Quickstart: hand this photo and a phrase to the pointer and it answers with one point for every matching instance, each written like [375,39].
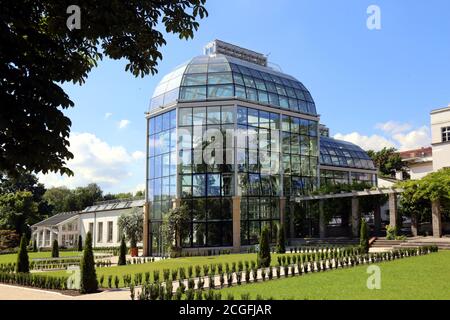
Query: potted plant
[132,225]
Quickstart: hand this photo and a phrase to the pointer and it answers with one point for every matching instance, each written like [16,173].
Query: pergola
[393,210]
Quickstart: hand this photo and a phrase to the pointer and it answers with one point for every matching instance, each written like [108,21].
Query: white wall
[441,150]
[105,217]
[420,170]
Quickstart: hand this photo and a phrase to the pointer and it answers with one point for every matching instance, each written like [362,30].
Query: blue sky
[372,87]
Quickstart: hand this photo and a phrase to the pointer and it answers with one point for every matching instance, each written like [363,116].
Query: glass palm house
[271,149]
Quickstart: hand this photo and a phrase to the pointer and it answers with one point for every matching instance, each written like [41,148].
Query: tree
[364,236]
[387,160]
[80,243]
[177,224]
[26,182]
[281,241]
[132,225]
[264,248]
[59,199]
[123,253]
[39,53]
[418,195]
[18,211]
[89,282]
[35,249]
[55,249]
[23,263]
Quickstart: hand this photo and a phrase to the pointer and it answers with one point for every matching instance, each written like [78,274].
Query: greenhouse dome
[219,77]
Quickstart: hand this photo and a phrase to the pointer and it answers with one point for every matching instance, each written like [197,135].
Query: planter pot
[134,252]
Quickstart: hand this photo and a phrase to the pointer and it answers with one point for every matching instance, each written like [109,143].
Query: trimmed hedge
[34,280]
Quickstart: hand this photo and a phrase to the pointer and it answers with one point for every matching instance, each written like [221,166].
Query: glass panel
[251,94]
[193,93]
[240,92]
[213,115]
[185,116]
[213,185]
[197,68]
[194,79]
[220,91]
[220,78]
[219,67]
[199,116]
[227,115]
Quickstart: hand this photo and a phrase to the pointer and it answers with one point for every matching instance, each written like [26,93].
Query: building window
[445,134]
[91,228]
[100,232]
[110,231]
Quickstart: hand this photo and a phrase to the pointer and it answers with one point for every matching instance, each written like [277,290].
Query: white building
[101,220]
[63,227]
[440,138]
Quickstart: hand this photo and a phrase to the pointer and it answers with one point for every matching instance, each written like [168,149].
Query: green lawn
[170,264]
[424,277]
[7,258]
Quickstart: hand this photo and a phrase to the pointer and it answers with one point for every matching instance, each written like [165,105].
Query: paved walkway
[8,292]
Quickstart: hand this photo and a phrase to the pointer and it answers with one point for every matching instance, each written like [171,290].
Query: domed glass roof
[338,153]
[219,77]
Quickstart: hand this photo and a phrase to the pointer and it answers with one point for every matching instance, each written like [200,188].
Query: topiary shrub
[55,249]
[281,241]
[23,263]
[89,282]
[122,253]
[80,243]
[364,237]
[263,257]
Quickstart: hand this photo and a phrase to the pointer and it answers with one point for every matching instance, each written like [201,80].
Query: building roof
[114,205]
[417,154]
[57,219]
[219,77]
[338,153]
[444,109]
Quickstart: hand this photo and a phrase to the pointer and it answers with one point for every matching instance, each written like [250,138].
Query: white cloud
[123,123]
[373,142]
[108,115]
[413,139]
[95,161]
[401,136]
[137,155]
[393,127]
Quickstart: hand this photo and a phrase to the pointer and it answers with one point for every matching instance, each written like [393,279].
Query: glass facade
[222,77]
[162,170]
[207,183]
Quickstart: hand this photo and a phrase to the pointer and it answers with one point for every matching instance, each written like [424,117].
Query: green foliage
[88,274]
[122,253]
[132,225]
[263,257]
[23,263]
[364,236]
[17,210]
[55,249]
[40,53]
[63,199]
[281,240]
[418,194]
[391,232]
[387,160]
